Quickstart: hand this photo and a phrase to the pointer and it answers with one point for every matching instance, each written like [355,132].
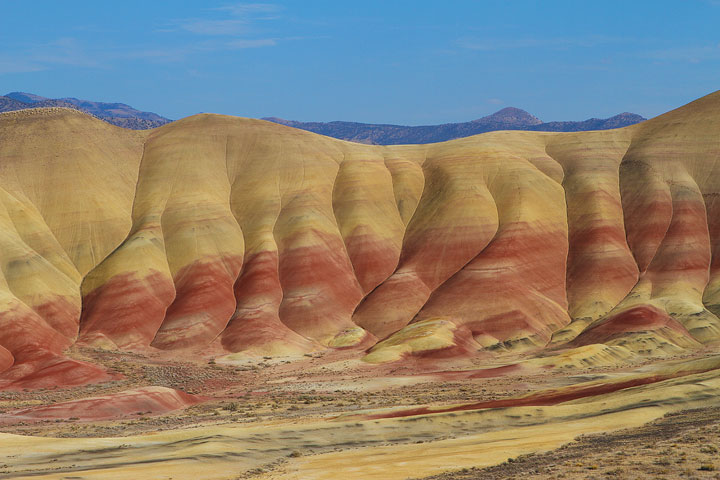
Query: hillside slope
[218,235]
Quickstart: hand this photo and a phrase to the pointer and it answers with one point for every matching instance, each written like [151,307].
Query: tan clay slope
[67,184]
[310,234]
[224,234]
[668,182]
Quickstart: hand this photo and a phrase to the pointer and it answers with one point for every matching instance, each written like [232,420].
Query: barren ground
[308,416]
[682,444]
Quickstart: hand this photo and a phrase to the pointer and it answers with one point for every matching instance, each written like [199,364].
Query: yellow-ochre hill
[220,235]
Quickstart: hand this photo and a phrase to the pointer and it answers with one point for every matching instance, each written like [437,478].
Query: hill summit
[512,117]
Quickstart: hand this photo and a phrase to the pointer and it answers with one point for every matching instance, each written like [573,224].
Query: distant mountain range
[116,113]
[506,119]
[509,118]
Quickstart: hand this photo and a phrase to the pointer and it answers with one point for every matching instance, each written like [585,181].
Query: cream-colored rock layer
[424,336]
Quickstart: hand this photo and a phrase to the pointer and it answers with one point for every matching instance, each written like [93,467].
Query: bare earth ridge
[224,298]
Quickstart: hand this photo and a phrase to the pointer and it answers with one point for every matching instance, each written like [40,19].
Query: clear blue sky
[407,62]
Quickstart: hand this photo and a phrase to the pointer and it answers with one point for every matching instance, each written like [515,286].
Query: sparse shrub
[708,449]
[231,407]
[707,467]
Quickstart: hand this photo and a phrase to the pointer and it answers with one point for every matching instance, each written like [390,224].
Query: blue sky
[407,62]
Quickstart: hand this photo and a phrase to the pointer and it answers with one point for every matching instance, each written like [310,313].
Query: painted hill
[115,113]
[506,119]
[219,235]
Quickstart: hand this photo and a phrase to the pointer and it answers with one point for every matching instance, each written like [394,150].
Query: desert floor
[331,416]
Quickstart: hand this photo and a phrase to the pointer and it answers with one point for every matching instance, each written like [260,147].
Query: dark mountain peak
[629,116]
[26,97]
[623,119]
[618,121]
[512,116]
[119,114]
[8,104]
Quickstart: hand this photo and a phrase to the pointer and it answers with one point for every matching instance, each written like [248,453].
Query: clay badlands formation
[582,269]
